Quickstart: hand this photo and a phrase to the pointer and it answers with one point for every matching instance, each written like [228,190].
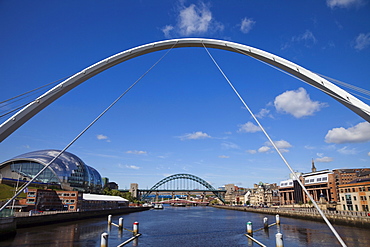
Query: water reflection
[190,226]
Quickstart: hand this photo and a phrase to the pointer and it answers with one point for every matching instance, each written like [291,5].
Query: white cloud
[247,25]
[297,103]
[249,127]
[345,150]
[102,137]
[307,37]
[166,30]
[368,154]
[280,144]
[136,152]
[324,159]
[263,149]
[193,20]
[224,157]
[355,134]
[309,147]
[133,167]
[229,145]
[195,136]
[362,41]
[264,113]
[251,151]
[343,3]
[320,155]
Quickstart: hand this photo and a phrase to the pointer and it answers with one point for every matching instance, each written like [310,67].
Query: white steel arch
[22,116]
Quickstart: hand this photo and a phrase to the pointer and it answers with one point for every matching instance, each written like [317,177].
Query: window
[353,190]
[71,207]
[341,191]
[72,201]
[356,207]
[344,207]
[318,180]
[325,179]
[312,180]
[73,194]
[31,201]
[354,198]
[307,181]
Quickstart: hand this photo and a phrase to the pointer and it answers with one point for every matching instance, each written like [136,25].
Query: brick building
[354,196]
[50,200]
[42,200]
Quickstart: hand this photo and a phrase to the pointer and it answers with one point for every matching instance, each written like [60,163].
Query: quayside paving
[358,219]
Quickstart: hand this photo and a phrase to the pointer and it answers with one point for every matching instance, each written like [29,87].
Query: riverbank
[37,219]
[359,220]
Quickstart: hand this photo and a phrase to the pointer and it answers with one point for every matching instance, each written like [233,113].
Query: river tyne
[189,226]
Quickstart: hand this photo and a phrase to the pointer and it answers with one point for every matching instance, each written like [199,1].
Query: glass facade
[30,169]
[67,170]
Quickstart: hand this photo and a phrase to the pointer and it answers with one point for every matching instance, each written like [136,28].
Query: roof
[96,197]
[63,166]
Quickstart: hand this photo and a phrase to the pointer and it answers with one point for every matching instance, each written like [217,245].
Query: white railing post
[104,240]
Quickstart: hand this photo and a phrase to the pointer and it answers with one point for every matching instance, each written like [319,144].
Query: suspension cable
[347,85]
[277,150]
[84,130]
[355,88]
[11,101]
[34,90]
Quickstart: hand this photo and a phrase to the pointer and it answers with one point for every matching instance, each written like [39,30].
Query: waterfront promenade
[358,219]
[48,217]
[9,225]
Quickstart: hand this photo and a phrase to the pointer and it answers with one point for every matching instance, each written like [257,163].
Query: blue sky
[183,117]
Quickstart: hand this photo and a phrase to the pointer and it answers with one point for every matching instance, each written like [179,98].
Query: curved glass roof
[64,166]
[68,168]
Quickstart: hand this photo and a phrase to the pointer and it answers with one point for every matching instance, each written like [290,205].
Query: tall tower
[313,168]
[134,190]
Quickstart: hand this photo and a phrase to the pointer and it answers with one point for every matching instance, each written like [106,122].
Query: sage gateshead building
[67,172]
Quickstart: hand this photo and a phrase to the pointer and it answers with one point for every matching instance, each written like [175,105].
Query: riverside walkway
[358,219]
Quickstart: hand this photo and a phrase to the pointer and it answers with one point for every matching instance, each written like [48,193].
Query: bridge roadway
[174,192]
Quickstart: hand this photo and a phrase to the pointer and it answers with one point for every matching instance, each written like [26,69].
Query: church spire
[313,168]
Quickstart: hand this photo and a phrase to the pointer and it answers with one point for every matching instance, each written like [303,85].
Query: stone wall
[356,219]
[7,226]
[37,219]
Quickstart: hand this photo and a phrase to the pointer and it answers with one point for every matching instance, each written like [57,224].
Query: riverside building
[355,196]
[67,172]
[328,187]
[51,200]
